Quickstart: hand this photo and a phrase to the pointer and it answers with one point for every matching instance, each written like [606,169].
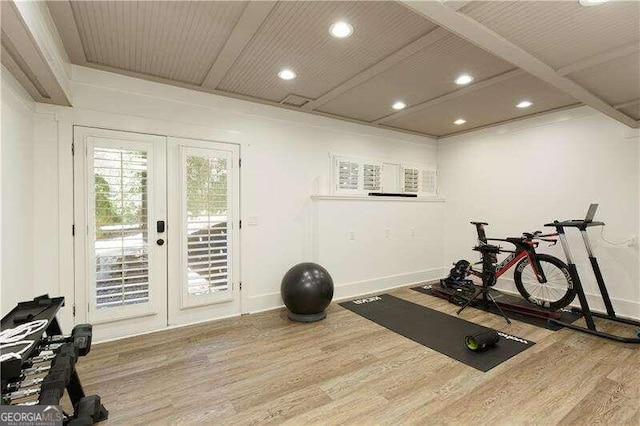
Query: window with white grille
[357,176]
[411,181]
[121,245]
[207,223]
[419,180]
[360,176]
[371,177]
[348,175]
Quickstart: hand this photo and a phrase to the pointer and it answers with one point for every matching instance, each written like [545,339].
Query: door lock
[160,242]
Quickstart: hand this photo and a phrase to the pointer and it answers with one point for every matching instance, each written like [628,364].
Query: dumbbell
[80,337]
[66,354]
[15,386]
[65,362]
[66,349]
[51,387]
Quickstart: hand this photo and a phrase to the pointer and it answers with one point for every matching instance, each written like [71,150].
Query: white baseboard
[263,302]
[359,288]
[267,302]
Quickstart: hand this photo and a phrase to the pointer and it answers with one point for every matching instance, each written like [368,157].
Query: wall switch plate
[252,220]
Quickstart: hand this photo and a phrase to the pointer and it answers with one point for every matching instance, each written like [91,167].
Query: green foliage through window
[206,186]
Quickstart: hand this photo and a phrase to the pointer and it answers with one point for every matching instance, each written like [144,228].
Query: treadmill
[582,225]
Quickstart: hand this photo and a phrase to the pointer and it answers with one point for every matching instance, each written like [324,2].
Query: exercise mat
[565,316]
[436,330]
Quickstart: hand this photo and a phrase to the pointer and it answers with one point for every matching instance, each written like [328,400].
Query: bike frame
[511,260]
[525,248]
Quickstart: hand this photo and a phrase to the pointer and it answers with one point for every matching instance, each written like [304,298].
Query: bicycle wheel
[556,293]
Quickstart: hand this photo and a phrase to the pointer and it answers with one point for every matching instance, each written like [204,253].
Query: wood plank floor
[264,369]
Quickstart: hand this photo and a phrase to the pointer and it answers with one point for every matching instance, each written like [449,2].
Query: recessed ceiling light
[287,74]
[464,79]
[524,104]
[399,105]
[591,2]
[459,121]
[341,29]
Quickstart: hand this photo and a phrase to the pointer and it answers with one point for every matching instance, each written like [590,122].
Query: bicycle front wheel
[556,293]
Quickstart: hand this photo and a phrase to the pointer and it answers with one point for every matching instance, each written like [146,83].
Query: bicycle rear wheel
[556,293]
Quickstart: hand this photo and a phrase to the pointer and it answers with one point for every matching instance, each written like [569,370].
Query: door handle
[160,226]
[160,242]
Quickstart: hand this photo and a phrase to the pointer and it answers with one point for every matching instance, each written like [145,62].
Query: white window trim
[361,161]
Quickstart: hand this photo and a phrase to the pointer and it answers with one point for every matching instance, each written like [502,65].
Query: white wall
[519,176]
[370,245]
[17,189]
[284,156]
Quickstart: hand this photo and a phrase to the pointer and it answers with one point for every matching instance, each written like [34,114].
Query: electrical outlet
[386,232]
[352,235]
[412,231]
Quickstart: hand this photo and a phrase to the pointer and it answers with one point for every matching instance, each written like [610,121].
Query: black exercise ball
[307,289]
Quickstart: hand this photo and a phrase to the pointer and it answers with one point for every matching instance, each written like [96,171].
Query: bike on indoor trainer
[541,279]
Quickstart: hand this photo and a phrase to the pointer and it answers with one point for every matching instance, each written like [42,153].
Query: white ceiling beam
[633,102]
[18,72]
[390,61]
[451,95]
[29,35]
[62,15]
[492,42]
[610,55]
[249,23]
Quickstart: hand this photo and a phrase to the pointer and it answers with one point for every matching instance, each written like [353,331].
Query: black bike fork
[537,267]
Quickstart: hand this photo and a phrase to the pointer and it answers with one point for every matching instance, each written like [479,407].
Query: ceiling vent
[295,100]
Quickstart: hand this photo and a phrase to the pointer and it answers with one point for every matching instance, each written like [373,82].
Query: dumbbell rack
[40,308]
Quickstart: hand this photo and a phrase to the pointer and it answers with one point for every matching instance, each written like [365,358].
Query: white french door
[204,230]
[141,266]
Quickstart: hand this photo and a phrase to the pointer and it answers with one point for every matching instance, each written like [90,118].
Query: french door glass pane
[207,225]
[121,246]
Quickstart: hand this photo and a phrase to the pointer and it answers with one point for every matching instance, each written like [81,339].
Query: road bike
[542,279]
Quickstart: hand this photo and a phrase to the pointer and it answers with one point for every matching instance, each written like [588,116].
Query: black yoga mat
[565,316]
[436,330]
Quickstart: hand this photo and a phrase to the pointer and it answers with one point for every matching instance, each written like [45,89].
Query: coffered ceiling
[554,54]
